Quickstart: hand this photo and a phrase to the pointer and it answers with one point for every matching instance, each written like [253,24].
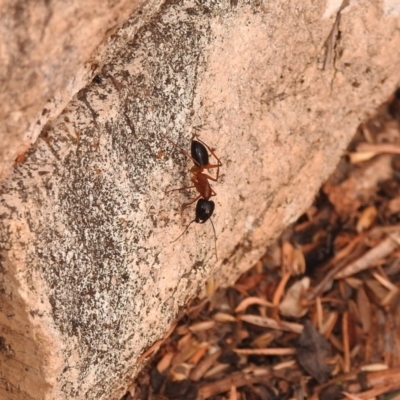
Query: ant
[204,207]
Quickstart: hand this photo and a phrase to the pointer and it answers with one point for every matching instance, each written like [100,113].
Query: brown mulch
[318,316]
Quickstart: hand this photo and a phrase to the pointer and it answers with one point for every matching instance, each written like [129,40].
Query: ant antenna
[190,223]
[215,240]
[215,236]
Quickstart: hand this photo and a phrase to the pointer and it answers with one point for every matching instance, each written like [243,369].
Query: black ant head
[204,210]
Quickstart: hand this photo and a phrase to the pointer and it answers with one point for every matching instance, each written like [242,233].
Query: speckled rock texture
[47,53]
[90,273]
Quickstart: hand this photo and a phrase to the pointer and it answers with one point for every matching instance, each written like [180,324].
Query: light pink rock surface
[90,278]
[47,53]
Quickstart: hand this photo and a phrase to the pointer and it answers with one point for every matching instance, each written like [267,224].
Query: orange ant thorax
[202,185]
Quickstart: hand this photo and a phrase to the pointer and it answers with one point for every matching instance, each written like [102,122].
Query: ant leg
[210,177]
[183,151]
[186,229]
[199,170]
[210,166]
[185,205]
[180,189]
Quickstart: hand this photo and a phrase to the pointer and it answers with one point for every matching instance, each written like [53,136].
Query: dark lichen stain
[198,264]
[35,313]
[97,80]
[6,348]
[3,347]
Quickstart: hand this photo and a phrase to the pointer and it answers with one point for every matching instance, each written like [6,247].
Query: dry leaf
[210,287]
[374,367]
[298,262]
[312,350]
[364,308]
[358,157]
[366,218]
[180,372]
[205,364]
[165,362]
[249,301]
[263,340]
[287,256]
[293,304]
[202,326]
[284,365]
[216,370]
[223,317]
[267,352]
[328,325]
[271,323]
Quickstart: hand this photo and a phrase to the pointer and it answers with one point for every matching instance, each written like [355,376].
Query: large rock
[47,53]
[90,278]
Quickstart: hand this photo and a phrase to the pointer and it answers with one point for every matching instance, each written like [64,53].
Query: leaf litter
[318,316]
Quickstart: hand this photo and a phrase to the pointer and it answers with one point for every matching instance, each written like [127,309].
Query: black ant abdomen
[204,210]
